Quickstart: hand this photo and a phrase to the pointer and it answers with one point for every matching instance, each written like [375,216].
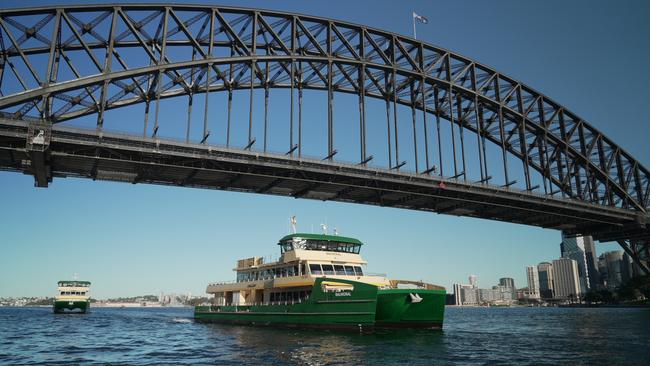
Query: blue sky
[590,56]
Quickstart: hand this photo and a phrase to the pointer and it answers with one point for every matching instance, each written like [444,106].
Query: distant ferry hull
[410,308]
[65,306]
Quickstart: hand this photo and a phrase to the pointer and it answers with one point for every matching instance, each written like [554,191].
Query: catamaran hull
[410,308]
[365,307]
[71,307]
[334,320]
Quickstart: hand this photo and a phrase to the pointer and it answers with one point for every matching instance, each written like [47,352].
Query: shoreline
[112,306]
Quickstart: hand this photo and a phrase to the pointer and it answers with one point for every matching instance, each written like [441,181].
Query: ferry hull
[64,306]
[342,309]
[365,307]
[410,308]
[271,315]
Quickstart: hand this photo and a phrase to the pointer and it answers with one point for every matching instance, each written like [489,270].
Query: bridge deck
[106,156]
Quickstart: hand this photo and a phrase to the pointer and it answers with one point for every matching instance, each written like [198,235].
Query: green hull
[346,309]
[63,306]
[364,307]
[402,308]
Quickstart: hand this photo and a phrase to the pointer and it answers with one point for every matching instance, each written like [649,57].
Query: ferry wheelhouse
[319,280]
[73,296]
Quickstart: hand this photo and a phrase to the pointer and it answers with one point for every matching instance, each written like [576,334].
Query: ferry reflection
[320,346]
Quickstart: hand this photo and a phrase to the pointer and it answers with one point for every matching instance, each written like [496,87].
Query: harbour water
[157,336]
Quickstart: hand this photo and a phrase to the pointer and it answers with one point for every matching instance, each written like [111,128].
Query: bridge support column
[37,149]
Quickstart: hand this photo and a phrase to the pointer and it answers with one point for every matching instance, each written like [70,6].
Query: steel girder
[59,63]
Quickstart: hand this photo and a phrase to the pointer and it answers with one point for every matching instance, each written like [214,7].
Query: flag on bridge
[420,18]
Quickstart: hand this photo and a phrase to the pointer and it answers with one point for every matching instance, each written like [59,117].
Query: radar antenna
[324,227]
[293,224]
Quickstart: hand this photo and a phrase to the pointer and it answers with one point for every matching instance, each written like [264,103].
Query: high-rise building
[583,251]
[545,272]
[533,282]
[507,282]
[566,279]
[617,268]
[509,286]
[592,263]
[627,269]
[473,281]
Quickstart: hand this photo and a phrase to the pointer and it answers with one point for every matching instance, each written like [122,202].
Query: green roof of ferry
[336,238]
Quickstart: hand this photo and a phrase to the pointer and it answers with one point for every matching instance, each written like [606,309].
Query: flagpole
[415,35]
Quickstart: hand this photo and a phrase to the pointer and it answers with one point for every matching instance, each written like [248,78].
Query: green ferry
[74,297]
[319,281]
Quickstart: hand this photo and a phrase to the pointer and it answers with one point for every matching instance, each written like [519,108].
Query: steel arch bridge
[478,143]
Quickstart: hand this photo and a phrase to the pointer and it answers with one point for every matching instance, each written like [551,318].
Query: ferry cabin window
[328,269]
[339,270]
[315,269]
[349,270]
[332,246]
[286,247]
[358,271]
[289,296]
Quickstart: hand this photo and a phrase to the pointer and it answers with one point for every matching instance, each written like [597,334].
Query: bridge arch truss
[62,63]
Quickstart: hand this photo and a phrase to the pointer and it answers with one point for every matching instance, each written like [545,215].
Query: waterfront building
[533,282]
[545,275]
[465,294]
[509,286]
[504,293]
[458,300]
[583,251]
[616,268]
[489,295]
[566,279]
[523,293]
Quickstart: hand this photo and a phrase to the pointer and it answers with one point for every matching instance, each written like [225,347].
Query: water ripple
[525,336]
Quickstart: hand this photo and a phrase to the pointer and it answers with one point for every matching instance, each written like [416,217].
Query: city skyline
[112,233]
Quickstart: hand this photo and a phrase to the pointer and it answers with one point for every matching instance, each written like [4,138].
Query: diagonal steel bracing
[62,63]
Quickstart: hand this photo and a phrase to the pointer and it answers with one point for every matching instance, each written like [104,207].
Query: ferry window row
[324,245]
[73,293]
[289,296]
[269,273]
[329,269]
